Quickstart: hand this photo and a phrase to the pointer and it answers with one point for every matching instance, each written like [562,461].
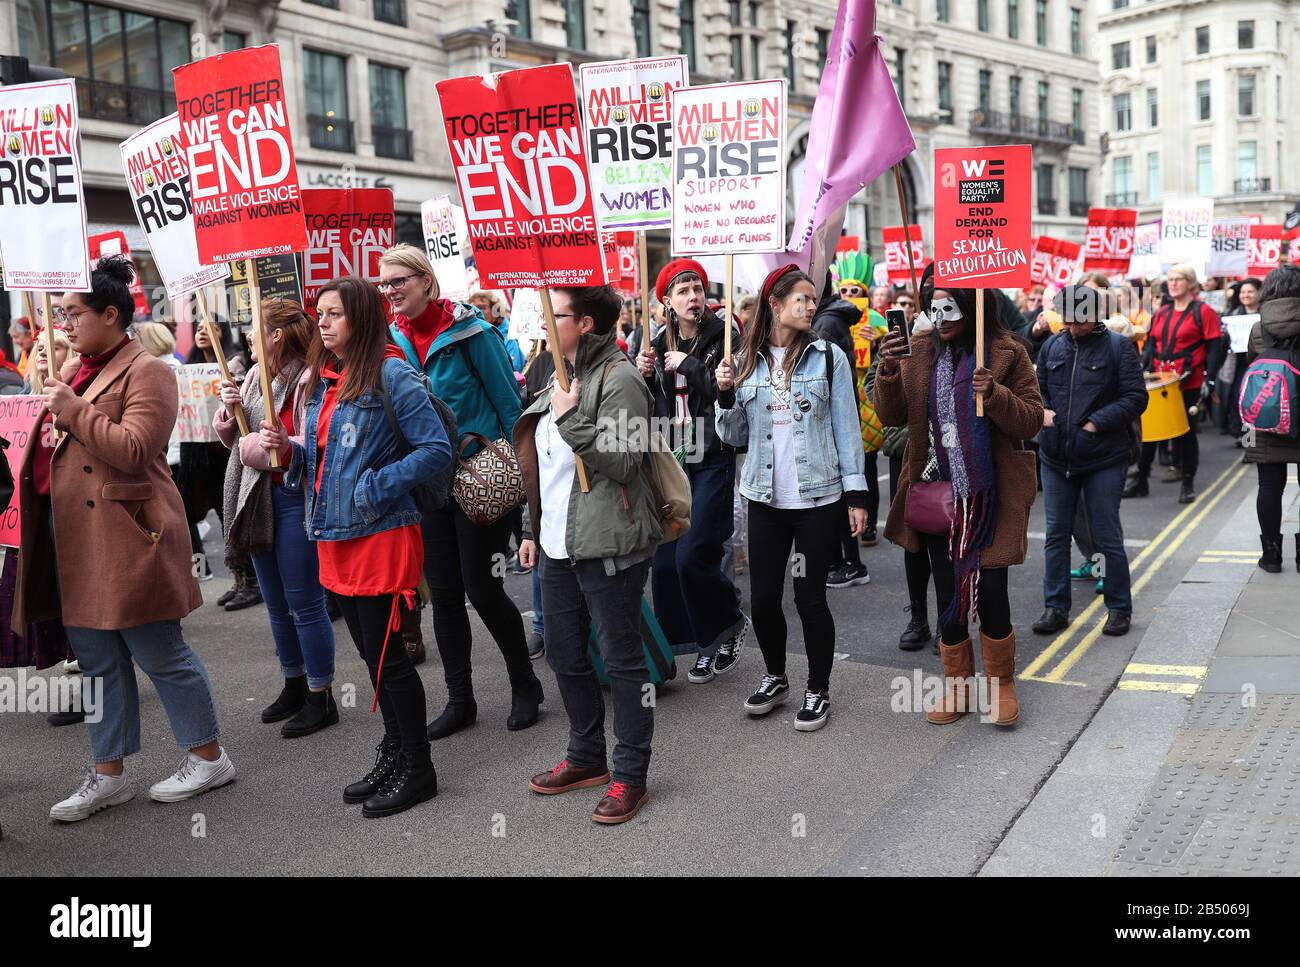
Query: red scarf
[437,317]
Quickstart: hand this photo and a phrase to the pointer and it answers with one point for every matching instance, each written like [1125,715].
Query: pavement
[877,791]
[1191,767]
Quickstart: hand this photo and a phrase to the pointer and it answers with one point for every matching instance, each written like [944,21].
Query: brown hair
[299,332]
[368,325]
[759,331]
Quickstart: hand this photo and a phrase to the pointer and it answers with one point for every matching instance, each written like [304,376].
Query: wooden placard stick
[561,374]
[255,305]
[643,268]
[979,345]
[726,324]
[907,234]
[214,337]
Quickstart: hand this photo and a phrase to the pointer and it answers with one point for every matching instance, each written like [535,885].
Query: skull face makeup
[944,310]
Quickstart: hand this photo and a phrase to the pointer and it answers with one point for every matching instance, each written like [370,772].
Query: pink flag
[858,127]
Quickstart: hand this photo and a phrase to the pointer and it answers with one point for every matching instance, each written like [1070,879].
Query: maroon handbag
[929,507]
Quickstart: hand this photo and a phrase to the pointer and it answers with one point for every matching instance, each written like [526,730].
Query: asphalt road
[876,791]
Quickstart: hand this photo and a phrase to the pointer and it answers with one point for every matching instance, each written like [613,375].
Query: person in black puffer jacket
[1092,388]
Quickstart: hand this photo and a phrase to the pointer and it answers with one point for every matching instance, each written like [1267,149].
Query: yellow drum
[1166,414]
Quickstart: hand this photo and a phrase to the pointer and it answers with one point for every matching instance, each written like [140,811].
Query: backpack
[1268,400]
[434,493]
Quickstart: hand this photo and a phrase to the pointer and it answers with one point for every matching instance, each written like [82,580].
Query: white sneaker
[72,667]
[96,792]
[194,776]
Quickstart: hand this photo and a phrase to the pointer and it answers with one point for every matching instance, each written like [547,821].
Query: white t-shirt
[785,474]
[555,469]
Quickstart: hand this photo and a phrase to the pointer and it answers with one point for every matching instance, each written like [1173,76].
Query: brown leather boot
[565,777]
[412,636]
[958,672]
[1000,667]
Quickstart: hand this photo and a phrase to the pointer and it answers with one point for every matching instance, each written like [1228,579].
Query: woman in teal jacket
[466,363]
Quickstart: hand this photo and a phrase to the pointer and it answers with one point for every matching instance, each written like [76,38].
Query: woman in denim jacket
[789,399]
[357,480]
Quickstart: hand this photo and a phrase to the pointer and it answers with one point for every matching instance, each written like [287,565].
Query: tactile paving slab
[1226,802]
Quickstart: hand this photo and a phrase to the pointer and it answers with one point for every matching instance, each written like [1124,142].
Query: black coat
[835,323]
[701,384]
[1097,379]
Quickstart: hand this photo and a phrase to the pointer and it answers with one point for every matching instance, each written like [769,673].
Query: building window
[328,124]
[1153,175]
[1078,191]
[823,45]
[1046,190]
[1123,112]
[122,60]
[1123,172]
[1277,95]
[641,26]
[941,11]
[575,24]
[391,12]
[1202,100]
[1247,161]
[1013,97]
[388,112]
[986,91]
[755,57]
[327,4]
[982,15]
[521,12]
[1076,109]
[1153,107]
[900,82]
[1151,49]
[1043,91]
[945,90]
[1246,95]
[1204,171]
[1119,56]
[1040,22]
[232,40]
[1013,19]
[753,13]
[1245,34]
[1121,4]
[1076,31]
[686,18]
[789,53]
[737,57]
[1202,40]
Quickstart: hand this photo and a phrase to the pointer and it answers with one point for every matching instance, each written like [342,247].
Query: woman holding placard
[121,562]
[465,361]
[967,481]
[789,399]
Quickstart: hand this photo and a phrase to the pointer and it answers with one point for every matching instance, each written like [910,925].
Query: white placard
[445,233]
[1186,232]
[1239,328]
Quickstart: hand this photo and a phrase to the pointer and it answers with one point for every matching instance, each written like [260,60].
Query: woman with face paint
[991,474]
[788,397]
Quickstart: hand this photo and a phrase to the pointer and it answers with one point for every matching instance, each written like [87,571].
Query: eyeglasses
[65,319]
[396,283]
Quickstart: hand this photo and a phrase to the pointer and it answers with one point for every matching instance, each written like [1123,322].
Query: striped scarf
[961,443]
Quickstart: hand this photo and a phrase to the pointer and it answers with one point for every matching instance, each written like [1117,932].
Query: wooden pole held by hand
[255,305]
[561,374]
[907,233]
[214,336]
[979,345]
[726,323]
[47,336]
[644,271]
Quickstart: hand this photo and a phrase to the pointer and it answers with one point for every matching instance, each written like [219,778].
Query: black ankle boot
[414,782]
[1297,552]
[318,712]
[917,632]
[456,716]
[291,700]
[524,706]
[1271,559]
[387,754]
[1187,492]
[1137,487]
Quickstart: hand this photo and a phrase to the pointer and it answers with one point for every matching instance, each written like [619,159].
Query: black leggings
[814,533]
[994,604]
[1187,448]
[1268,501]
[401,694]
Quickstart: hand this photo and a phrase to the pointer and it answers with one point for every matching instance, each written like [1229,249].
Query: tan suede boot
[1000,667]
[958,672]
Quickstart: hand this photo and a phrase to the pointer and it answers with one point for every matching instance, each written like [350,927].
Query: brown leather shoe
[958,673]
[621,803]
[565,777]
[1000,667]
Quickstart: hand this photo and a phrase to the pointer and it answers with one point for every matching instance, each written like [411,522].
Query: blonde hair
[410,257]
[60,340]
[156,338]
[497,300]
[1183,270]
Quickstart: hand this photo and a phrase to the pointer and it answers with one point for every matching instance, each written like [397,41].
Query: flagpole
[907,233]
[561,374]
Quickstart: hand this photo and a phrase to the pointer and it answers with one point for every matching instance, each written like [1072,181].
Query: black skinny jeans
[401,693]
[462,559]
[994,605]
[1187,448]
[849,551]
[1268,500]
[814,533]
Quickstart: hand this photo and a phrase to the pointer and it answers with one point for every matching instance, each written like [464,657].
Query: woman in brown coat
[991,475]
[121,548]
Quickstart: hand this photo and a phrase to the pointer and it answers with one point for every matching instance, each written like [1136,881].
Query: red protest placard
[896,252]
[1108,245]
[521,165]
[1265,249]
[19,417]
[1054,261]
[848,243]
[982,220]
[629,266]
[347,230]
[243,176]
[613,269]
[114,243]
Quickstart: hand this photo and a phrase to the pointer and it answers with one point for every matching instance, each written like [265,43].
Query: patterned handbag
[489,484]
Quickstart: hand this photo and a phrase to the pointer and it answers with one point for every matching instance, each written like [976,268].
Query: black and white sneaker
[816,710]
[702,672]
[848,576]
[772,691]
[728,656]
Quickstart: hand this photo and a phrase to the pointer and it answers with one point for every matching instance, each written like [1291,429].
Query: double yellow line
[1056,676]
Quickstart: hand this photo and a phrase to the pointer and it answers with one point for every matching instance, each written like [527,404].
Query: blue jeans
[694,601]
[1100,491]
[175,670]
[538,623]
[289,577]
[577,594]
